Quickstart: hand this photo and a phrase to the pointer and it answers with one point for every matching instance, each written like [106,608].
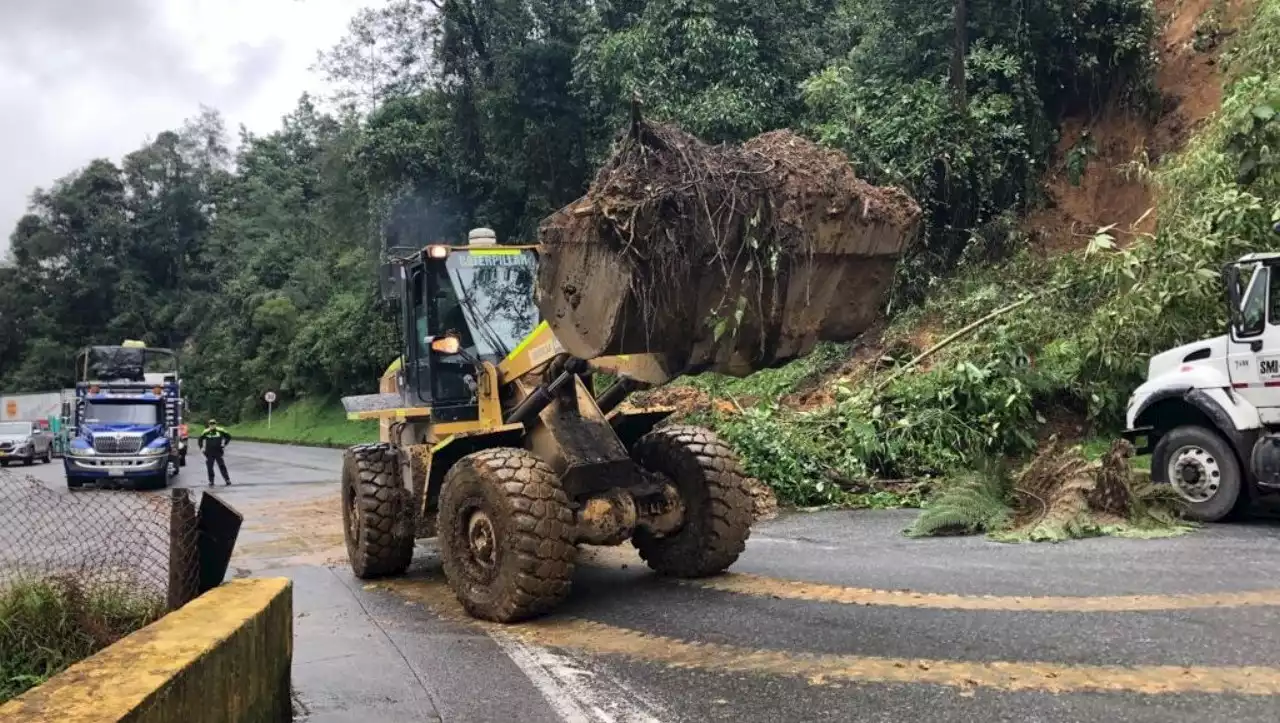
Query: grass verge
[306,422]
[47,625]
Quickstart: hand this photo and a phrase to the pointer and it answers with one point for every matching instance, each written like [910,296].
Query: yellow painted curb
[225,656]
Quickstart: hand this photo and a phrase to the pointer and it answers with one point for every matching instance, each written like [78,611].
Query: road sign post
[271,400]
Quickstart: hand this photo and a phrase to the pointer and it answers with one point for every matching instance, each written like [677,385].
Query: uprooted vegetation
[1059,495]
[724,257]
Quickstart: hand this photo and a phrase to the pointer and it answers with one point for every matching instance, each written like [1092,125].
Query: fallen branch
[957,335]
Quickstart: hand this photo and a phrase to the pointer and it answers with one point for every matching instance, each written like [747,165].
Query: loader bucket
[725,259]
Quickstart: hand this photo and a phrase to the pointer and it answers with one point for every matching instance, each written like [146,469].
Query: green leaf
[1264,112]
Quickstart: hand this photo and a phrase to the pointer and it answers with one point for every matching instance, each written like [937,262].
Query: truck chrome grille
[129,444]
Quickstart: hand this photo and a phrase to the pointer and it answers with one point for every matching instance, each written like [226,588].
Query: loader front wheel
[375,512]
[505,531]
[717,501]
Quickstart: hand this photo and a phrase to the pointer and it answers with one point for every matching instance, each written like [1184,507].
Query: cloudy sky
[81,79]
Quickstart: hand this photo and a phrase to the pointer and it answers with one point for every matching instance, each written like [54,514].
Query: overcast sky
[82,79]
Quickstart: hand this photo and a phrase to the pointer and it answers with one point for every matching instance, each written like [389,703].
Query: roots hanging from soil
[712,243]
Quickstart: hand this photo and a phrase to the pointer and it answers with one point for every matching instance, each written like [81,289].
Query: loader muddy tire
[505,531]
[375,512]
[716,495]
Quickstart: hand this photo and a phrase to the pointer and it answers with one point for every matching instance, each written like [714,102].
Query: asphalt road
[830,616]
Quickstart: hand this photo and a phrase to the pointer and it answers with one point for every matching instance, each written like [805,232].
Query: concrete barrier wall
[222,658]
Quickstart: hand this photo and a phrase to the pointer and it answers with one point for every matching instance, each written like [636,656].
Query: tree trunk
[959,50]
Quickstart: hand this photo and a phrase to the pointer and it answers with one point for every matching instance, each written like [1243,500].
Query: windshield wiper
[492,337]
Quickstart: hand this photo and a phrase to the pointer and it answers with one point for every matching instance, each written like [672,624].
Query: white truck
[1209,412]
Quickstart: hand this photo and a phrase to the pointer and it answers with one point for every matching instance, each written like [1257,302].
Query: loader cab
[483,293]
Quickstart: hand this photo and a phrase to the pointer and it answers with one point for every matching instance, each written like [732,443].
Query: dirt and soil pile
[728,258]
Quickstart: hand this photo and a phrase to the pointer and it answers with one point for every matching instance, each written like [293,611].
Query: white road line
[575,693]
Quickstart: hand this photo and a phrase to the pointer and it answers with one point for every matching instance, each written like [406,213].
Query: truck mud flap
[219,526]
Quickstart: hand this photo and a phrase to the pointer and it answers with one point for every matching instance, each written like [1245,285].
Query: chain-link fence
[143,543]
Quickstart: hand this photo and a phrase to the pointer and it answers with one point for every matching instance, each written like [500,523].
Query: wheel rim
[353,517]
[482,542]
[1194,473]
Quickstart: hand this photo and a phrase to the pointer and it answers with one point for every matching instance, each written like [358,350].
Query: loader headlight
[446,345]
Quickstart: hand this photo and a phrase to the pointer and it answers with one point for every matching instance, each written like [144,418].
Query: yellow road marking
[824,669]
[817,592]
[761,586]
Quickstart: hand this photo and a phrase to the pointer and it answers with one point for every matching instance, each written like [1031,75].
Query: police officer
[213,440]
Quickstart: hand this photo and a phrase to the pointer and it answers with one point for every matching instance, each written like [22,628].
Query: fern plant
[973,502]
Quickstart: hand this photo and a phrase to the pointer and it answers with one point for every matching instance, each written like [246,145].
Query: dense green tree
[258,260]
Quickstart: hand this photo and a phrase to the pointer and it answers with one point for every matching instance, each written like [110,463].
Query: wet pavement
[830,616]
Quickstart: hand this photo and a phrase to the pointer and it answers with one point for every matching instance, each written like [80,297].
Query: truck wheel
[48,457]
[505,532]
[1200,466]
[718,505]
[29,460]
[375,512]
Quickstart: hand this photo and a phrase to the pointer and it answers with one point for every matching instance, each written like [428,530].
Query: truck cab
[126,418]
[1209,412]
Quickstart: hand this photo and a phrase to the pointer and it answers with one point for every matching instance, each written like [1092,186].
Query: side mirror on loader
[389,276]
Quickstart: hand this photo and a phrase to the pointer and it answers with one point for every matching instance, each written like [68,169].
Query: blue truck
[126,418]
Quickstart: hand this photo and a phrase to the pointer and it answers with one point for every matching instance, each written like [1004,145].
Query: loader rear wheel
[375,512]
[715,492]
[505,531]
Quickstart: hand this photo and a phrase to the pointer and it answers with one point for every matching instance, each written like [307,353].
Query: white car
[25,441]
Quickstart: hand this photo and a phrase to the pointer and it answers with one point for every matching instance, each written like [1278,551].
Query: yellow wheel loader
[680,258]
[494,440]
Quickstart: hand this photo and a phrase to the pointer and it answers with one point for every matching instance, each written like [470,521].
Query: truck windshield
[493,291]
[107,413]
[15,428]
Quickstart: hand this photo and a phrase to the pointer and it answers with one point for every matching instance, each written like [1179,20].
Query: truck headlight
[82,451]
[154,451]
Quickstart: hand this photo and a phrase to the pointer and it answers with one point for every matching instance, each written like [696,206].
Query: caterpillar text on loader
[493,439]
[1209,412]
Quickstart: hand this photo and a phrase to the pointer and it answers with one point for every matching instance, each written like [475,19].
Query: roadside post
[271,399]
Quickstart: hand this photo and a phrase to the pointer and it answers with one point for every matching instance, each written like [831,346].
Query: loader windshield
[494,295]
